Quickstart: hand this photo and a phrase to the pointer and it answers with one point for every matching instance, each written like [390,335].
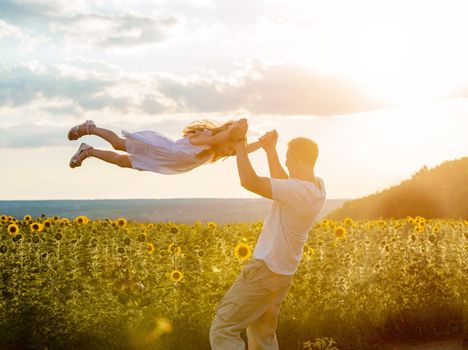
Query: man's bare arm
[276,170]
[247,175]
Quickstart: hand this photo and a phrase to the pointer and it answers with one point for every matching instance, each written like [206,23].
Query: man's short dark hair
[305,149]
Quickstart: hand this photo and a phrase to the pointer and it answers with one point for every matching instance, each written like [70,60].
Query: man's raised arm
[276,170]
[247,175]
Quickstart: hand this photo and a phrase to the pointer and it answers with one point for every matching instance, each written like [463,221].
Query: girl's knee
[120,145]
[124,162]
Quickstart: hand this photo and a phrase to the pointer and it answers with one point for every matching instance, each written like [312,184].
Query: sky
[381,86]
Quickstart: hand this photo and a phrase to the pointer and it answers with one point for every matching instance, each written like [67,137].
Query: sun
[393,52]
[382,57]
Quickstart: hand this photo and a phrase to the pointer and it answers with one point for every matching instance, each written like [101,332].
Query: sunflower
[340,232]
[121,222]
[3,218]
[420,220]
[176,276]
[174,249]
[419,228]
[308,250]
[64,221]
[27,218]
[436,229]
[48,223]
[348,221]
[242,251]
[382,223]
[13,230]
[149,248]
[36,226]
[81,220]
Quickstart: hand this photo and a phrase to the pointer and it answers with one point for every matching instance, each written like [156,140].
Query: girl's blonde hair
[202,124]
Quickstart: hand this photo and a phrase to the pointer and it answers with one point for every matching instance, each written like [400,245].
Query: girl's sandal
[75,160]
[74,133]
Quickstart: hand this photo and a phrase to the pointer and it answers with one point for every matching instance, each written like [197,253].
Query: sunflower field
[118,284]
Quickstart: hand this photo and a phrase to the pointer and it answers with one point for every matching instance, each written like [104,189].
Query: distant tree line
[440,192]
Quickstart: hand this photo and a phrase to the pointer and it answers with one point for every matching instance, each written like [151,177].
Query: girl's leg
[121,160]
[117,142]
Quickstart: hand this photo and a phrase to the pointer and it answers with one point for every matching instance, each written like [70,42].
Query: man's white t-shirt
[296,204]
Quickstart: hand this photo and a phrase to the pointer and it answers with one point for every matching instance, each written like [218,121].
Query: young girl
[202,142]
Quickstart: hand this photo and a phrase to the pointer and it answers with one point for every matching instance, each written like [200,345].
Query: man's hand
[269,140]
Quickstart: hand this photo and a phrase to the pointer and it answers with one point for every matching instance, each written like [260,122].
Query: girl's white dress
[151,151]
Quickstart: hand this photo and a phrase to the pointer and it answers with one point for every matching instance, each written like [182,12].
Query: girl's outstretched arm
[252,147]
[219,138]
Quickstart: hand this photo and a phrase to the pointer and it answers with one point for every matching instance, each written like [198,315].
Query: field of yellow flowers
[118,284]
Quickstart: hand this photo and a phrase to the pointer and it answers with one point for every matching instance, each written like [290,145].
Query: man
[253,301]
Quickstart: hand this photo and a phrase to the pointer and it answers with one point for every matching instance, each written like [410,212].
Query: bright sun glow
[394,55]
[380,57]
[386,59]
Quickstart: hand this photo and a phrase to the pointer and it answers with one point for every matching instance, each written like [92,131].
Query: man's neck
[305,176]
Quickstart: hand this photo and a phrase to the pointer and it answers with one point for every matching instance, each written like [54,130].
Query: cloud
[32,136]
[113,31]
[81,27]
[280,89]
[27,82]
[259,89]
[37,11]
[10,31]
[17,35]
